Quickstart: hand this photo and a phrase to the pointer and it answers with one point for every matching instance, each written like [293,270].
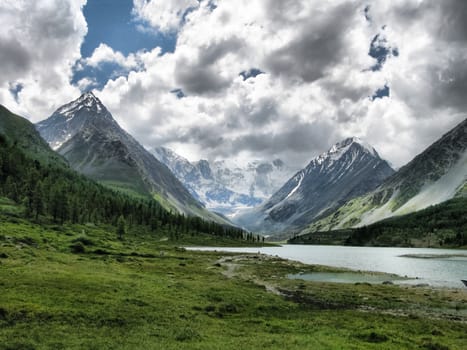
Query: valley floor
[77,287]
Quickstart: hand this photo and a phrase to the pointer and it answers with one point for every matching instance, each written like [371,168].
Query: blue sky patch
[251,73]
[101,74]
[380,93]
[111,22]
[15,89]
[212,6]
[178,92]
[381,50]
[366,11]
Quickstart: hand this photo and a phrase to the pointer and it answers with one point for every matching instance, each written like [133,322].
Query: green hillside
[442,225]
[24,136]
[47,191]
[84,132]
[435,175]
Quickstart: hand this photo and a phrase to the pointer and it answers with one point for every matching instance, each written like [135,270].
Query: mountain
[85,133]
[434,176]
[23,134]
[349,169]
[38,188]
[222,188]
[199,179]
[441,225]
[257,178]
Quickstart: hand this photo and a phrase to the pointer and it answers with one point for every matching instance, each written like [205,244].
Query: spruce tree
[120,227]
[37,201]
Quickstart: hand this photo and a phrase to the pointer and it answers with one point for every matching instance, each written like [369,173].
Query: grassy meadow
[79,287]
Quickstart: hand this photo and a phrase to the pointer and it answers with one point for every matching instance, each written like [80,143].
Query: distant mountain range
[349,169]
[86,134]
[434,176]
[347,186]
[223,186]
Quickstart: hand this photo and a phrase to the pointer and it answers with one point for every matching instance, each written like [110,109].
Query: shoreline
[337,271]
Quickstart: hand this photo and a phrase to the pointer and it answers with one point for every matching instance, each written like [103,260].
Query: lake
[436,267]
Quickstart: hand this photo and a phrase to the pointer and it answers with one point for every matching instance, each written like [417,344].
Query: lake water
[436,267]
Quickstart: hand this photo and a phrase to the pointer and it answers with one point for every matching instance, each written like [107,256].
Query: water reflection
[444,267]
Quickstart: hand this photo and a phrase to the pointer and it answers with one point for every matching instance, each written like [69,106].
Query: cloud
[39,43]
[104,64]
[205,74]
[318,46]
[198,79]
[104,53]
[298,137]
[315,87]
[14,57]
[165,16]
[452,26]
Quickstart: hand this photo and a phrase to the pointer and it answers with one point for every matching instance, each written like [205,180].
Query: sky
[245,79]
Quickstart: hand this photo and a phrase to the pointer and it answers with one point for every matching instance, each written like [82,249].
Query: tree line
[57,193]
[446,221]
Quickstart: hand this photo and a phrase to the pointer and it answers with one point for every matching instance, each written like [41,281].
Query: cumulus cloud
[321,64]
[163,15]
[317,86]
[205,73]
[198,79]
[105,54]
[14,57]
[39,43]
[318,46]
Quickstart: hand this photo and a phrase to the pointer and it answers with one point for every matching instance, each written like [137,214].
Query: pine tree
[37,201]
[120,227]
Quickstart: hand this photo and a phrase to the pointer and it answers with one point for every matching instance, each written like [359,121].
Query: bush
[78,248]
[186,334]
[86,241]
[373,337]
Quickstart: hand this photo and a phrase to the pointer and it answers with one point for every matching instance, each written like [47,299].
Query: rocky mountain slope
[86,134]
[434,176]
[349,169]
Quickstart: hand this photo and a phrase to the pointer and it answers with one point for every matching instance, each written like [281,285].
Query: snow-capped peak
[366,146]
[86,100]
[340,148]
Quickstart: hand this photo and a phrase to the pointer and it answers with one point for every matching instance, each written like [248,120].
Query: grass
[164,202]
[144,292]
[126,188]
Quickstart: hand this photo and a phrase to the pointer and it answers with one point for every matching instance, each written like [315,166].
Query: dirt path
[231,265]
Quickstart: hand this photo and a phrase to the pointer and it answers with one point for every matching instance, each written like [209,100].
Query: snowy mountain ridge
[348,169]
[63,123]
[437,174]
[226,186]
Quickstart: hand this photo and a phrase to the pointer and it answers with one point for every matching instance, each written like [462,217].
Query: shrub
[78,248]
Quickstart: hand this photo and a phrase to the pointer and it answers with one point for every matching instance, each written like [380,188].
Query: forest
[442,225]
[50,192]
